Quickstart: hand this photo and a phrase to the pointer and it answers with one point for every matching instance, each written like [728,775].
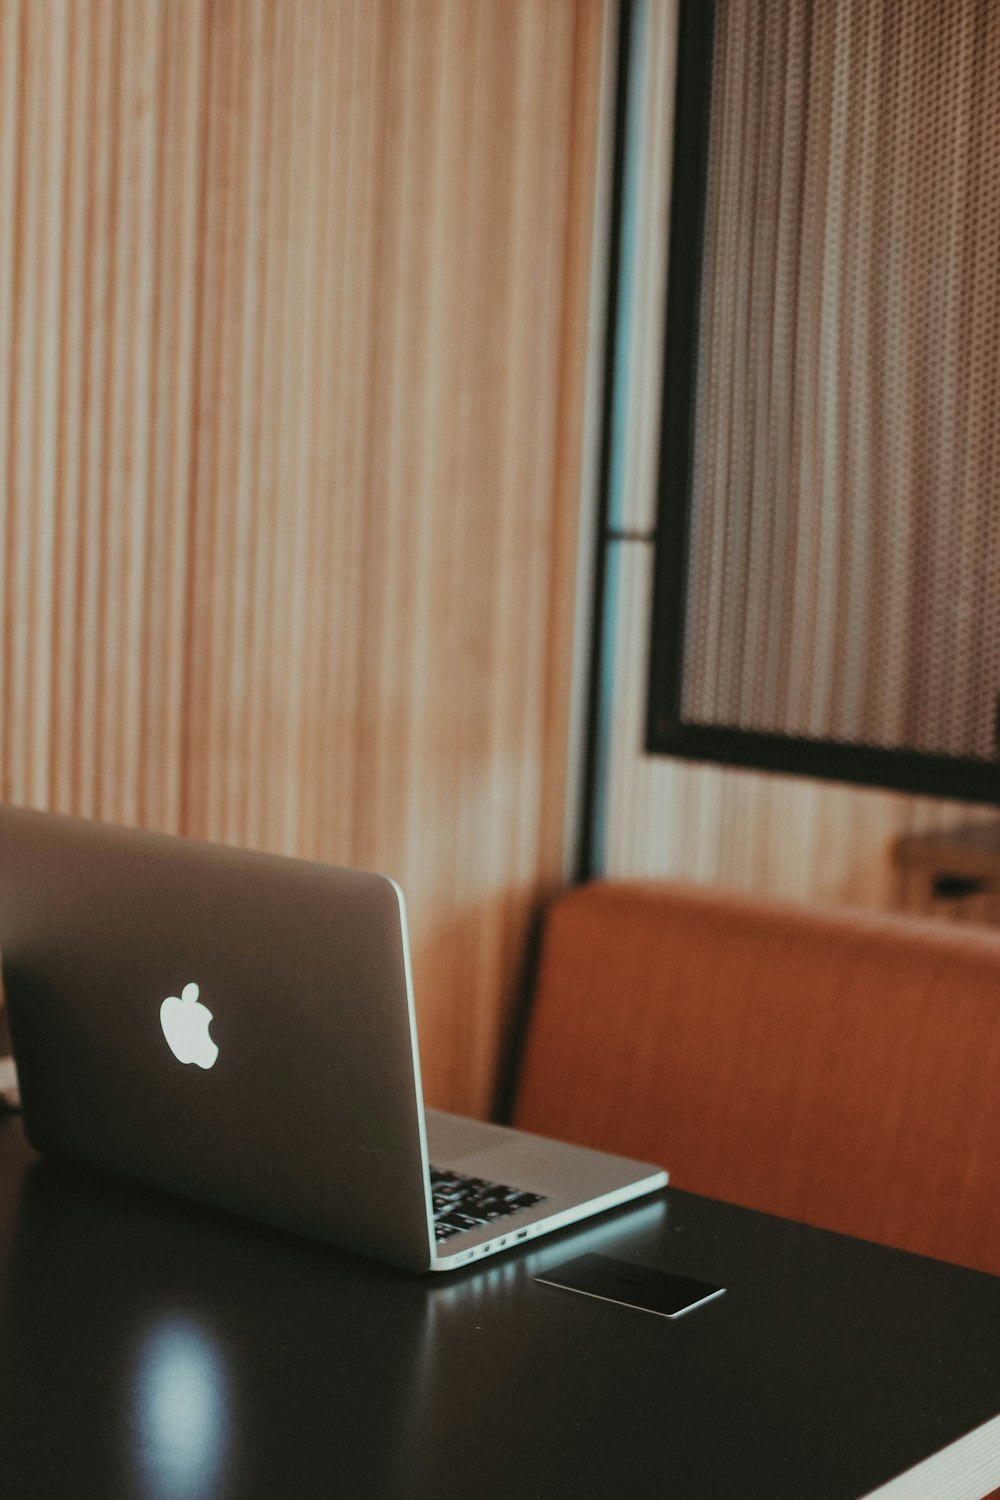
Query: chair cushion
[841,1069]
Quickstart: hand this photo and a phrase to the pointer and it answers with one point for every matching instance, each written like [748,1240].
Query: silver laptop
[239,1028]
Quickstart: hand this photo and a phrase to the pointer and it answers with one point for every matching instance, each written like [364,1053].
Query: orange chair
[841,1069]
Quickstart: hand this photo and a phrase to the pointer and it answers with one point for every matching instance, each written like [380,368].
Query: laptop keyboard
[469,1202]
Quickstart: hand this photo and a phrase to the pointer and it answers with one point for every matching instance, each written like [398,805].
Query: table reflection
[182,1412]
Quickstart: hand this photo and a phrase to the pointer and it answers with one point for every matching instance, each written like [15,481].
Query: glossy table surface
[150,1348]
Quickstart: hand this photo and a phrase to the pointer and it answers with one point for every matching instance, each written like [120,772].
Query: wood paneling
[293,334]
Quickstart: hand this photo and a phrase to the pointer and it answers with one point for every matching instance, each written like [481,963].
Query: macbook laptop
[239,1028]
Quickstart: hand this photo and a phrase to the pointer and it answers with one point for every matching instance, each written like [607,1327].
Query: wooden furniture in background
[951,872]
[294,318]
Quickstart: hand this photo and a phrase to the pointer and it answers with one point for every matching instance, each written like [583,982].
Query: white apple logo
[185,1025]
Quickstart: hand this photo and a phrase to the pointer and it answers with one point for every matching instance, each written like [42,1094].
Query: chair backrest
[841,1069]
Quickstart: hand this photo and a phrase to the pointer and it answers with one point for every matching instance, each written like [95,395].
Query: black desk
[149,1348]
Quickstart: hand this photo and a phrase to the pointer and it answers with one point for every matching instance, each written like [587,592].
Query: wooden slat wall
[785,836]
[293,322]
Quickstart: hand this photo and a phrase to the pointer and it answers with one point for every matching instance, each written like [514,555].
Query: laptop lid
[234,1026]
